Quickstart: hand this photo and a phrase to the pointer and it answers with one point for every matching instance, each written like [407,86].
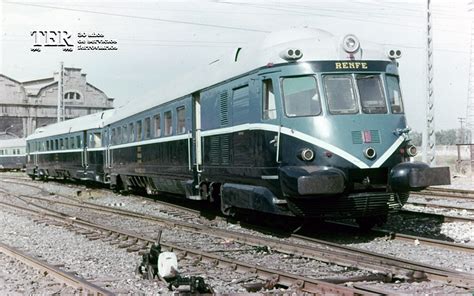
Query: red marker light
[328,154]
[270,64]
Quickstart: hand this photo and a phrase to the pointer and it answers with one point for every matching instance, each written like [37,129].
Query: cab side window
[269,107]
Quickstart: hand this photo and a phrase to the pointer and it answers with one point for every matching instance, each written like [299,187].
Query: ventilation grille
[359,137]
[219,153]
[224,108]
[356,137]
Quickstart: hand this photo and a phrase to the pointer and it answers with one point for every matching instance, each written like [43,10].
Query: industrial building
[25,106]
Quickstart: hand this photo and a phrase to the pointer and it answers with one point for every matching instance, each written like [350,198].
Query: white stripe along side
[256,126]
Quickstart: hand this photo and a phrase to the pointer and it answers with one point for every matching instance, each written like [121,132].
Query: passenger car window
[371,94]
[180,112]
[340,94]
[147,128]
[269,107]
[157,120]
[131,130]
[394,94]
[301,96]
[168,124]
[139,130]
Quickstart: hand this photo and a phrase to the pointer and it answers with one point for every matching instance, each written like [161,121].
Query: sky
[159,41]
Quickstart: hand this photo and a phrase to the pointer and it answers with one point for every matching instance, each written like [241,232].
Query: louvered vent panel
[214,151]
[225,150]
[356,137]
[375,136]
[224,108]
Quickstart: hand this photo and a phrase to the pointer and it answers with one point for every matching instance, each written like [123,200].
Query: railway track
[134,243]
[62,276]
[447,193]
[440,217]
[439,206]
[405,270]
[343,255]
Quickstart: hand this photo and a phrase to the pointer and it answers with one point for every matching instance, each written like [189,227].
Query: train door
[197,140]
[35,156]
[271,115]
[85,163]
[107,139]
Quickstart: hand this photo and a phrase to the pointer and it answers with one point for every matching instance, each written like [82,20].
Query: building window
[157,119]
[168,124]
[181,114]
[73,144]
[72,95]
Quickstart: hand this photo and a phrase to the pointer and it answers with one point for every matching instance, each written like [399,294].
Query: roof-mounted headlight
[291,54]
[394,53]
[350,43]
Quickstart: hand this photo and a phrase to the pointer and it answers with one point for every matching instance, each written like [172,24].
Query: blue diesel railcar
[305,124]
[12,154]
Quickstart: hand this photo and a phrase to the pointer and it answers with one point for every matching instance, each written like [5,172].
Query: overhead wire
[139,17]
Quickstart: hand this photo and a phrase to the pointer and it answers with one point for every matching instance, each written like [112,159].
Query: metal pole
[429,139]
[60,93]
[462,137]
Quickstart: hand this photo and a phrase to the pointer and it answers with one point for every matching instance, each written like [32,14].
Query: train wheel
[120,187]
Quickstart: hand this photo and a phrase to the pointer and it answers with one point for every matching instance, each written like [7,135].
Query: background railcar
[69,149]
[12,154]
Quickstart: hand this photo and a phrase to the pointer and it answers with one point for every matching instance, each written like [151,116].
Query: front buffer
[416,176]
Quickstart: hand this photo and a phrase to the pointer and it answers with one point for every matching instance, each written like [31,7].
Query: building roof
[9,78]
[34,89]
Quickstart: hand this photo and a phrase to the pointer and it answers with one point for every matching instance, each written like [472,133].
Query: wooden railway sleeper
[128,244]
[111,237]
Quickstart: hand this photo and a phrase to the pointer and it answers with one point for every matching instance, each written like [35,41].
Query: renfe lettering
[351,65]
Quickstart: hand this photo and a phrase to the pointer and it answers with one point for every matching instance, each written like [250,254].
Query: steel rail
[444,218]
[434,205]
[203,228]
[342,255]
[283,278]
[60,275]
[410,238]
[447,192]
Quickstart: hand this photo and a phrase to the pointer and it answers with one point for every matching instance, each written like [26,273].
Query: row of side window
[149,127]
[14,151]
[56,144]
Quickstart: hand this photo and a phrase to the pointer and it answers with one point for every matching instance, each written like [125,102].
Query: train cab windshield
[394,94]
[343,93]
[371,94]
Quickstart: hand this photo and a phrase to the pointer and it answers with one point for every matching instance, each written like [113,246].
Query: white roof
[12,143]
[316,45]
[87,122]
